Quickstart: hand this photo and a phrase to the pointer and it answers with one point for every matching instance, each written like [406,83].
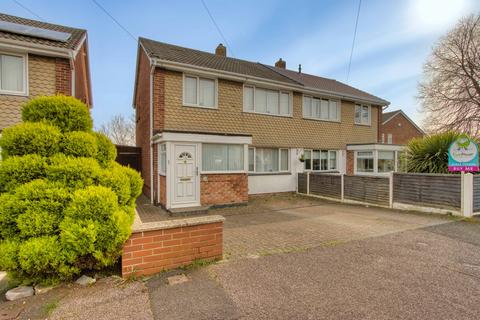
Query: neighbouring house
[398,128]
[38,58]
[215,129]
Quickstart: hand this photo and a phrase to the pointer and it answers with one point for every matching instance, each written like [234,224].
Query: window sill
[17,94]
[199,107]
[268,114]
[323,171]
[221,172]
[322,120]
[363,124]
[253,174]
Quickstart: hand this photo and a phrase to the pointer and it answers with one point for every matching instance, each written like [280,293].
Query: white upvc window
[268,160]
[222,157]
[13,74]
[267,101]
[200,92]
[363,114]
[365,162]
[162,159]
[389,138]
[386,161]
[320,160]
[375,162]
[321,108]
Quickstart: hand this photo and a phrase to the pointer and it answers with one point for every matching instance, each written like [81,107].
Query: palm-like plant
[430,153]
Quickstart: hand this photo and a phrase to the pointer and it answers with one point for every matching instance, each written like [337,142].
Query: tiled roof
[71,43]
[203,59]
[326,84]
[388,115]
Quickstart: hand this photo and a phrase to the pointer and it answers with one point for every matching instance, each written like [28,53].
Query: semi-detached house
[40,59]
[214,129]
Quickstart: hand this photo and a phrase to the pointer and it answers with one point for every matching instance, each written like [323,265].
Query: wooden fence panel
[476,193]
[130,157]
[437,190]
[374,190]
[327,185]
[302,183]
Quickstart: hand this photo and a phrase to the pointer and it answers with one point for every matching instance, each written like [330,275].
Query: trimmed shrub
[79,144]
[8,255]
[136,183]
[30,138]
[72,172]
[15,171]
[42,260]
[92,229]
[64,112]
[116,179]
[107,152]
[10,209]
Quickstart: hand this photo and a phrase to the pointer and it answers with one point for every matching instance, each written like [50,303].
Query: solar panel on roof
[34,31]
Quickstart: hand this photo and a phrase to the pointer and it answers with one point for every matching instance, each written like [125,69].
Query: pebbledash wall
[294,132]
[157,246]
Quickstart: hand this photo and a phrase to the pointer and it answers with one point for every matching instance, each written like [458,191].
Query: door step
[189,211]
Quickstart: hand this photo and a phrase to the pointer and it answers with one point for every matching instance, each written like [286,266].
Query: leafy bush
[107,152]
[30,138]
[17,170]
[65,205]
[79,144]
[66,113]
[430,153]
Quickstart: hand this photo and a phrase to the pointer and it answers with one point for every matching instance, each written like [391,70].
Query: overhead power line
[27,9]
[115,20]
[354,37]
[218,28]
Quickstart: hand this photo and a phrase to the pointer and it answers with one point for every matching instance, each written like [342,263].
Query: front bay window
[376,159]
[320,160]
[365,162]
[386,161]
[268,160]
[222,157]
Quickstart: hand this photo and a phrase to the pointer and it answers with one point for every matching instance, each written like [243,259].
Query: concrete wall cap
[176,223]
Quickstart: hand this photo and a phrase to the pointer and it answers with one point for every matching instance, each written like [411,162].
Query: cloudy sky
[393,41]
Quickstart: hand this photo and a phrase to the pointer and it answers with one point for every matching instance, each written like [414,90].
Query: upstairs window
[321,109]
[199,92]
[266,101]
[12,74]
[363,114]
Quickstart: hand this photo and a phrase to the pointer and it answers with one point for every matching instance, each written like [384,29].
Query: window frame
[361,123]
[329,152]
[25,91]
[280,171]
[244,158]
[162,152]
[279,92]
[197,104]
[337,101]
[375,171]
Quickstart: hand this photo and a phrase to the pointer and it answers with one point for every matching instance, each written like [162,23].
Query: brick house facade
[50,67]
[222,152]
[398,128]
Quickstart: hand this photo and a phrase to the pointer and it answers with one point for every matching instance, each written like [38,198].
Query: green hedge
[66,113]
[30,138]
[79,144]
[65,204]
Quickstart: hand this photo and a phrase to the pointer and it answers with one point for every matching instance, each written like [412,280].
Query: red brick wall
[142,117]
[151,252]
[163,190]
[401,129]
[350,162]
[82,76]
[63,77]
[218,189]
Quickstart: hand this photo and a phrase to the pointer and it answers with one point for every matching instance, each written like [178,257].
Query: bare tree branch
[450,90]
[120,130]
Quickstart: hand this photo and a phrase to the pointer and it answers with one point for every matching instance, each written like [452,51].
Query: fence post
[308,182]
[342,183]
[390,180]
[466,194]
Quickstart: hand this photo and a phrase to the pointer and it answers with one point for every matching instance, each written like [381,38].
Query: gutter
[177,66]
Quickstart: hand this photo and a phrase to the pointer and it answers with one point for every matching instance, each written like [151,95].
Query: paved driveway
[294,223]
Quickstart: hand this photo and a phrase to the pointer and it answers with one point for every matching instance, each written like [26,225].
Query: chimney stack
[299,68]
[221,50]
[281,64]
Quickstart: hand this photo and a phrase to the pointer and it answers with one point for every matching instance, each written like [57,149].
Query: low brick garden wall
[157,246]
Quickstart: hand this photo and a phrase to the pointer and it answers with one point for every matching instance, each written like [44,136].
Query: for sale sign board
[463,155]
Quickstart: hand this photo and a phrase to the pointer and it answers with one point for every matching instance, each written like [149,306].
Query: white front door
[185,174]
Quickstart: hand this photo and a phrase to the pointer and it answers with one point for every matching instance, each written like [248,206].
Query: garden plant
[65,204]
